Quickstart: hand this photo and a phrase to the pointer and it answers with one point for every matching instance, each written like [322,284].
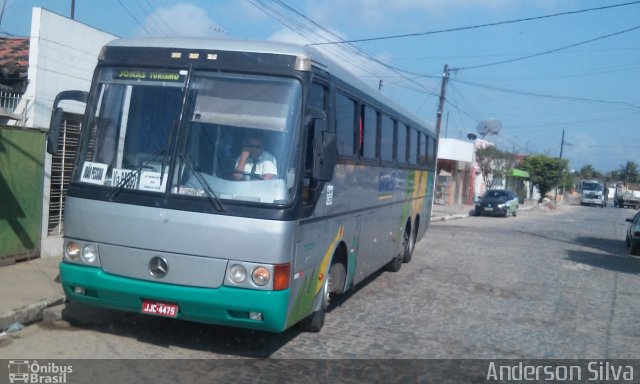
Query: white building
[62,56]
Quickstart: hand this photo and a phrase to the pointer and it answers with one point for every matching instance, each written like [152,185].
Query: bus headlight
[261,276]
[237,274]
[90,253]
[72,251]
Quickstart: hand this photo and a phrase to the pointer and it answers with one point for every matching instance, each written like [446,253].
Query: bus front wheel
[315,321]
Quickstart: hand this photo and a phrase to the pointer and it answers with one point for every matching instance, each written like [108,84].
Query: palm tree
[587,171]
[629,172]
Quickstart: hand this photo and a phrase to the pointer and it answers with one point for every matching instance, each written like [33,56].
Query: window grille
[61,167]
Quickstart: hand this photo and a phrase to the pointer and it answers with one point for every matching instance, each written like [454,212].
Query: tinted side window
[345,124]
[370,134]
[424,148]
[413,146]
[432,150]
[387,128]
[402,144]
[318,96]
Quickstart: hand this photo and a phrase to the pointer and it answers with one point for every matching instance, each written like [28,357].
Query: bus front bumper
[221,306]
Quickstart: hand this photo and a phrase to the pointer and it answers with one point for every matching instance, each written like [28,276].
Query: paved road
[544,284]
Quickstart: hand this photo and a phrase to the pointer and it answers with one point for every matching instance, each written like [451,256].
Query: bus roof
[316,56]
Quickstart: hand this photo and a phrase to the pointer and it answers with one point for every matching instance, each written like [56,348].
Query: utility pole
[2,13]
[555,197]
[443,89]
[73,9]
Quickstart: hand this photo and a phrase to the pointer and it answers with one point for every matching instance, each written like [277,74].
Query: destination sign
[148,75]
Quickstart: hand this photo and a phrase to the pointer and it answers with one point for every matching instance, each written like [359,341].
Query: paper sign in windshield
[94,173]
[153,181]
[120,175]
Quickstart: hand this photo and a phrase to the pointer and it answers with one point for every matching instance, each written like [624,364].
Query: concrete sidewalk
[450,212]
[30,287]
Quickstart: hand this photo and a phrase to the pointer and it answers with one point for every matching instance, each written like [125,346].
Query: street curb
[31,313]
[462,216]
[447,218]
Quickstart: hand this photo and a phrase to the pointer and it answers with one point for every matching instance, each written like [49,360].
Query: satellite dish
[489,127]
[471,136]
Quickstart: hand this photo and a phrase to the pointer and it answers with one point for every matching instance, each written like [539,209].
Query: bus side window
[346,125]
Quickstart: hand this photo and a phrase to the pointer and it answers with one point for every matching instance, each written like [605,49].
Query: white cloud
[183,19]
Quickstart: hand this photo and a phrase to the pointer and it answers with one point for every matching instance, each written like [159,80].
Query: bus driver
[254,162]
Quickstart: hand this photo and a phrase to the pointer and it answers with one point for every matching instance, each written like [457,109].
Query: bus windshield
[233,134]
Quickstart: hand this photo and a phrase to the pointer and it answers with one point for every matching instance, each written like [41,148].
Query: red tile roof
[14,54]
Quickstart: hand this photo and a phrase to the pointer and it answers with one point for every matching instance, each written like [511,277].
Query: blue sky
[590,90]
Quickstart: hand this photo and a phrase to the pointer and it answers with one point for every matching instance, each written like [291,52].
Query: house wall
[453,149]
[454,181]
[21,169]
[62,56]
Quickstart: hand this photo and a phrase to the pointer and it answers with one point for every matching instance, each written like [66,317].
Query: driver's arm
[269,170]
[242,160]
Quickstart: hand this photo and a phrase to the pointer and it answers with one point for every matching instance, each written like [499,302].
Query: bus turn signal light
[281,276]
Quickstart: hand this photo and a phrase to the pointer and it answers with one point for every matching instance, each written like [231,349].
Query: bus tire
[408,243]
[395,264]
[315,321]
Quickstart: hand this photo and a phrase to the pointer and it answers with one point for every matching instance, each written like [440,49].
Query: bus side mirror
[314,114]
[55,126]
[53,136]
[325,152]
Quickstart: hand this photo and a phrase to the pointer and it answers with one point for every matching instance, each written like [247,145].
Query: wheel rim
[326,288]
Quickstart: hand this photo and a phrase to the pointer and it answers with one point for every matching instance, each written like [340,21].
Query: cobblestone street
[545,284]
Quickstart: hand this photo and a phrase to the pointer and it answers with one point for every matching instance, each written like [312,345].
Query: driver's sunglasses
[256,146]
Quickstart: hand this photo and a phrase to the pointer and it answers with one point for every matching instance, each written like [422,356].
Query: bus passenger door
[367,243]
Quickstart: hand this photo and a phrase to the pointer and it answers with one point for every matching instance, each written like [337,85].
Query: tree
[629,172]
[544,172]
[588,172]
[613,176]
[494,164]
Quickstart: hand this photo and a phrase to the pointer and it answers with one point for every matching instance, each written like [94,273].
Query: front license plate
[160,309]
[489,209]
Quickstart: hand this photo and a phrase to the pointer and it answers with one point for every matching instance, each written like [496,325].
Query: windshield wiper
[213,198]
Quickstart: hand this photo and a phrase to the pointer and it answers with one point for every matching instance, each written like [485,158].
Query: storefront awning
[519,173]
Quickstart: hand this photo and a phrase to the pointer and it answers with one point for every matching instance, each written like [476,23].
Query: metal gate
[61,167]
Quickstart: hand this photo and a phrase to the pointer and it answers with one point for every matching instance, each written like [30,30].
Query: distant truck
[593,193]
[627,196]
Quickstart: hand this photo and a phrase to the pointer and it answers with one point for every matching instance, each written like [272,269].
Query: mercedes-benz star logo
[158,267]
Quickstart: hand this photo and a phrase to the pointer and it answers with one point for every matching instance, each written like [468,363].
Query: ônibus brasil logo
[23,371]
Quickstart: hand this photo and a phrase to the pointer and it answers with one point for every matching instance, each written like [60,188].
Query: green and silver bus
[157,220]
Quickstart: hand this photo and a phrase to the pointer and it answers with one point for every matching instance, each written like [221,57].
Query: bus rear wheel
[408,243]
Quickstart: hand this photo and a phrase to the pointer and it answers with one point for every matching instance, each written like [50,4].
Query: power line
[133,17]
[551,50]
[479,26]
[568,98]
[153,17]
[287,22]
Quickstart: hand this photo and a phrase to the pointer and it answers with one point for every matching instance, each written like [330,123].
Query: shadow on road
[613,262]
[613,246]
[166,332]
